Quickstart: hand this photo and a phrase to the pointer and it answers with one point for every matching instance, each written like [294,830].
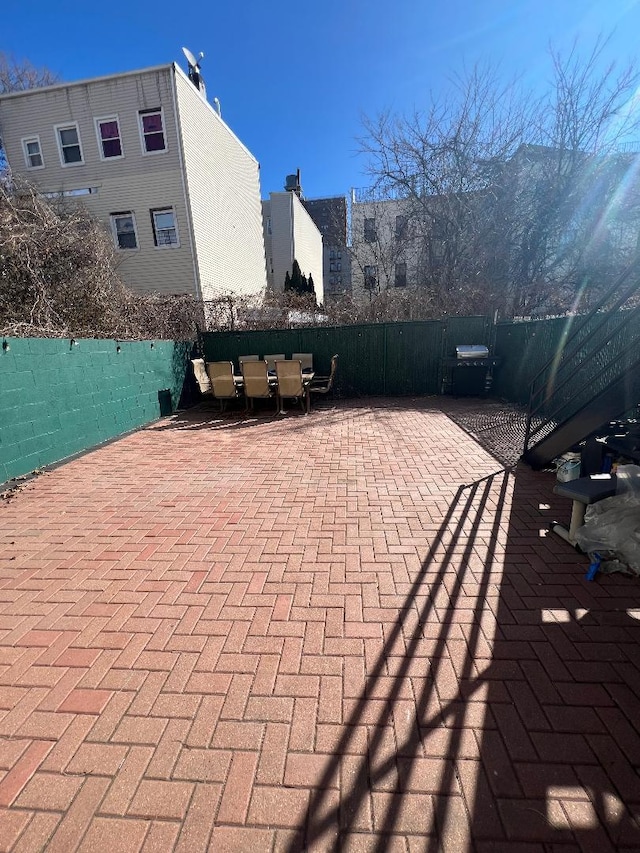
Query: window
[335,266]
[72,193]
[69,145]
[165,233]
[32,152]
[109,140]
[269,232]
[401,227]
[401,275]
[439,229]
[152,130]
[370,230]
[370,277]
[124,230]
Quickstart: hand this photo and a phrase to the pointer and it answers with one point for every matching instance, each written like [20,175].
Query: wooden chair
[305,359]
[324,384]
[256,382]
[222,381]
[291,384]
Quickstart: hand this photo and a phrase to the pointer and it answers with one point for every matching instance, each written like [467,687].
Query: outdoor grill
[475,378]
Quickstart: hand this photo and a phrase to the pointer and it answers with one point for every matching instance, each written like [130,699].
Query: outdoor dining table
[307,378]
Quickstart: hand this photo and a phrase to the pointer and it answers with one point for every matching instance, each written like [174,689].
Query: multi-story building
[330,215]
[525,239]
[291,234]
[385,250]
[155,162]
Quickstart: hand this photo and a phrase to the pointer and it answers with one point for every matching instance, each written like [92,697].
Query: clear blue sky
[294,78]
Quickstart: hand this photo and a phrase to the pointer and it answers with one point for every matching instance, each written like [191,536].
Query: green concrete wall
[58,398]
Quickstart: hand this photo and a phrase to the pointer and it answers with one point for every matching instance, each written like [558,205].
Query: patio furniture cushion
[200,373]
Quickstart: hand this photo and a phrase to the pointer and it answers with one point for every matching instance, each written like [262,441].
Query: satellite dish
[194,70]
[193,62]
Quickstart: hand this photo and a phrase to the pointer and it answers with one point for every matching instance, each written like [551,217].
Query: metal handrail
[535,390]
[623,352]
[625,321]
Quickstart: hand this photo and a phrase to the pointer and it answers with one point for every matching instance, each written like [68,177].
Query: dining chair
[324,384]
[305,359]
[222,381]
[271,360]
[243,358]
[256,381]
[291,384]
[201,376]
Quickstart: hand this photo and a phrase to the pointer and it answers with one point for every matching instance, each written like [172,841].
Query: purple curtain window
[109,130]
[152,123]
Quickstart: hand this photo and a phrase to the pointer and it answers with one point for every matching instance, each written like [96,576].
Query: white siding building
[152,160]
[291,234]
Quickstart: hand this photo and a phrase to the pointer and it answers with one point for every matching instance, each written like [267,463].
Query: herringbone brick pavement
[347,631]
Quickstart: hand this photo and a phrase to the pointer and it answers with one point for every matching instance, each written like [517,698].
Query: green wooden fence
[385,358]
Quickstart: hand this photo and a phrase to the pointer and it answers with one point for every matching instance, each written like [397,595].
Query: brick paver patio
[345,632]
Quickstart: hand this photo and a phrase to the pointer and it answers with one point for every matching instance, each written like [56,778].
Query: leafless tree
[17,75]
[442,164]
[515,200]
[574,195]
[57,276]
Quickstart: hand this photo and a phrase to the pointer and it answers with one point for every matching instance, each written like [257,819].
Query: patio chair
[243,358]
[222,381]
[305,359]
[291,384]
[271,360]
[200,373]
[256,382]
[324,384]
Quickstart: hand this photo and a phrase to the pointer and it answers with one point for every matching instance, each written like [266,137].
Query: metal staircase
[593,378]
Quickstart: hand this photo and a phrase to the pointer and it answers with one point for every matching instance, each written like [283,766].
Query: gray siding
[223,187]
[136,182]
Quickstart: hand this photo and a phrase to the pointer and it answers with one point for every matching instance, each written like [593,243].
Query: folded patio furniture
[201,376]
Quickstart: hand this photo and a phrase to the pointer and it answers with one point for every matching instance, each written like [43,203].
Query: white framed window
[69,144]
[109,139]
[165,228]
[123,225]
[32,152]
[152,133]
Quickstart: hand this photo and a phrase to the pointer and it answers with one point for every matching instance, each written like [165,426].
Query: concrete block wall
[59,397]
